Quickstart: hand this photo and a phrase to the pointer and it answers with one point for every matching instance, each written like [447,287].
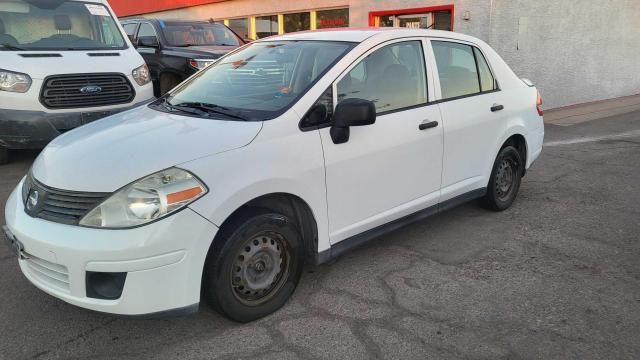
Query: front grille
[47,273]
[81,90]
[61,206]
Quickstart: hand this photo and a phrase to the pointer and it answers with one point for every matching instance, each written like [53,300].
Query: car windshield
[186,34]
[259,82]
[57,25]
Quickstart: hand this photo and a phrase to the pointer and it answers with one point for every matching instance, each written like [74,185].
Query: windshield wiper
[209,108]
[11,47]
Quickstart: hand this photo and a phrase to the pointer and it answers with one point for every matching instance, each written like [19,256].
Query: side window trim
[473,46]
[373,49]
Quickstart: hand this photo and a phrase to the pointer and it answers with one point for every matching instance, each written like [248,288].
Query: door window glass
[130,29]
[266,26]
[240,27]
[487,82]
[146,30]
[456,68]
[393,77]
[297,22]
[335,18]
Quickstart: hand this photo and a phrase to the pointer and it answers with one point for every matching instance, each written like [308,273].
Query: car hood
[110,153]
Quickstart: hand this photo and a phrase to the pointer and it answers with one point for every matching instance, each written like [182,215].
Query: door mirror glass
[351,112]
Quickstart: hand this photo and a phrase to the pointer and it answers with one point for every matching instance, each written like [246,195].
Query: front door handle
[428,125]
[497,107]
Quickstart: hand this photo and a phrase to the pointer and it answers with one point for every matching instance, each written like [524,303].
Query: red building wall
[136,7]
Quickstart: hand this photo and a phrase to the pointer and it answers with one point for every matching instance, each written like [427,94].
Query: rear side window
[487,82]
[393,77]
[456,68]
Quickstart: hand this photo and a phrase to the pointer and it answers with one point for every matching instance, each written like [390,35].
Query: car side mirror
[351,112]
[148,41]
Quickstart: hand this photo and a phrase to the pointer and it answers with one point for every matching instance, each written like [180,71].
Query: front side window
[146,30]
[456,68]
[57,25]
[198,34]
[130,29]
[393,77]
[262,80]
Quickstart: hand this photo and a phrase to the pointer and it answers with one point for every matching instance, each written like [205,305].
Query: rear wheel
[505,179]
[257,269]
[4,155]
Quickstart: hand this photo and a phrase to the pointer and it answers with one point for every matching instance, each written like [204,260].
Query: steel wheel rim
[505,178]
[260,268]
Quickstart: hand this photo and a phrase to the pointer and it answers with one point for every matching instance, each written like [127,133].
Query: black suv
[176,49]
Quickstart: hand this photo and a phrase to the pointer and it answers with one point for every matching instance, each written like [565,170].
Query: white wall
[574,50]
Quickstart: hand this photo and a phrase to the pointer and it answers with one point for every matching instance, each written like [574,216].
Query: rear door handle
[497,107]
[428,125]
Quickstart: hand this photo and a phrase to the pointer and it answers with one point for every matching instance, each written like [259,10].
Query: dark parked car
[176,49]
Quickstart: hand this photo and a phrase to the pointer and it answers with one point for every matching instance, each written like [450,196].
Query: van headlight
[141,75]
[146,200]
[14,82]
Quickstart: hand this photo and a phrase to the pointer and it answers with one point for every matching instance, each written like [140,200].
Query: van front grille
[86,90]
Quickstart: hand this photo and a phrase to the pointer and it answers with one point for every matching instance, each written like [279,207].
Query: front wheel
[257,269]
[505,179]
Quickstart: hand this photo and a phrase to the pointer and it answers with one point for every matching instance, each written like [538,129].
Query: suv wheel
[505,179]
[257,269]
[4,155]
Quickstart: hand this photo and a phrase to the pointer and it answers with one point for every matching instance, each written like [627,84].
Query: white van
[63,63]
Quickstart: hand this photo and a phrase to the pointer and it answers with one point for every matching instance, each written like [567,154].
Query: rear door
[391,168]
[473,113]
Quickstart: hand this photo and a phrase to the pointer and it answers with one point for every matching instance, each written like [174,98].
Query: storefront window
[332,18]
[240,27]
[266,26]
[297,22]
[387,21]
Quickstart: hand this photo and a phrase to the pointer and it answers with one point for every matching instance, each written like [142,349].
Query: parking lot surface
[557,276]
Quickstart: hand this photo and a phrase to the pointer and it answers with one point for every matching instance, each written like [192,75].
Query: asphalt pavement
[557,276]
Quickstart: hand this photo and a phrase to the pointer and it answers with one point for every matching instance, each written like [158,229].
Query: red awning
[137,7]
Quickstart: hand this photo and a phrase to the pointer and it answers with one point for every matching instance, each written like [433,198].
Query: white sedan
[283,154]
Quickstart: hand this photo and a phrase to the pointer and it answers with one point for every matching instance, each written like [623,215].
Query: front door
[393,167]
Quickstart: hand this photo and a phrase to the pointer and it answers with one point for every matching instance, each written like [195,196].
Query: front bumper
[23,129]
[163,260]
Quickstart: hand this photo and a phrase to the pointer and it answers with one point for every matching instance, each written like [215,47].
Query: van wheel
[505,179]
[4,155]
[168,82]
[257,269]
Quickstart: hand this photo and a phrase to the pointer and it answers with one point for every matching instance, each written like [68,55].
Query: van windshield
[57,25]
[257,83]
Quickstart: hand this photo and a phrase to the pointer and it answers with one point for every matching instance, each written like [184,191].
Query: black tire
[505,180]
[4,155]
[246,288]
[168,82]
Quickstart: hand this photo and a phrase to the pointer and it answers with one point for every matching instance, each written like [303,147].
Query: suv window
[130,29]
[456,68]
[393,77]
[146,30]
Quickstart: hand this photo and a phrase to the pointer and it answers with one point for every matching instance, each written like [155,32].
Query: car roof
[361,34]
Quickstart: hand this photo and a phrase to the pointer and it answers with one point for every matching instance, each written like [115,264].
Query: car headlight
[14,82]
[141,75]
[200,63]
[148,199]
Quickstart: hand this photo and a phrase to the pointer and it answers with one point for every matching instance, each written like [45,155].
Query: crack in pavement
[73,339]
